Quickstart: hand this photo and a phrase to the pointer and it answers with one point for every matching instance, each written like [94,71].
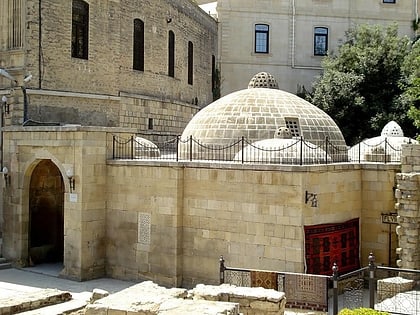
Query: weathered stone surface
[408,183]
[250,300]
[32,300]
[148,298]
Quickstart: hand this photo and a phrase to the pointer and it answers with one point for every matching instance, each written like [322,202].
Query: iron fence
[295,151]
[387,289]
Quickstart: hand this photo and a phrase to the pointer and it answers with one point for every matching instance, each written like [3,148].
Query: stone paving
[43,280]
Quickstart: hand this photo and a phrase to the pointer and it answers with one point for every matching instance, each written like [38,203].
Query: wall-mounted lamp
[5,172]
[27,78]
[311,197]
[168,17]
[5,104]
[70,176]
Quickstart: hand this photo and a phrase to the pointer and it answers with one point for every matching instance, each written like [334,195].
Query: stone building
[290,38]
[68,199]
[144,65]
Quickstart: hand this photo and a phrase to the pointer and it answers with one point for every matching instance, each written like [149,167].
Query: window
[15,27]
[320,41]
[388,1]
[80,29]
[190,63]
[293,125]
[171,54]
[138,45]
[213,72]
[261,38]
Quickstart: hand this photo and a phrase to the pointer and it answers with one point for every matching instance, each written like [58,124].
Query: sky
[209,7]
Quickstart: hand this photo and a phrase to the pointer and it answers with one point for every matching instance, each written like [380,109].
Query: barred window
[138,45]
[293,125]
[80,29]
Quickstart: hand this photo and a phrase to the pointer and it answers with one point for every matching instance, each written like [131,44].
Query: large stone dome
[257,113]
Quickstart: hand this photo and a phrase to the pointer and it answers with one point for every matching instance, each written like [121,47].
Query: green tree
[360,86]
[411,84]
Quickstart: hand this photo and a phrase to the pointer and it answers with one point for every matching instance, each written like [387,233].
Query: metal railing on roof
[297,151]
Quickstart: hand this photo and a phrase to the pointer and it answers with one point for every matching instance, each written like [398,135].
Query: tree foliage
[361,88]
[411,96]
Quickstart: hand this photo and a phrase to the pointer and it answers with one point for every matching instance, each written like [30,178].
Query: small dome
[145,148]
[257,114]
[263,80]
[392,129]
[384,148]
[282,151]
[283,133]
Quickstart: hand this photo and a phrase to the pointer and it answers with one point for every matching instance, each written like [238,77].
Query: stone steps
[32,301]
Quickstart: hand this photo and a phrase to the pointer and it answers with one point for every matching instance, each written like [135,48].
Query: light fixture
[27,78]
[5,104]
[70,176]
[5,172]
[311,197]
[169,18]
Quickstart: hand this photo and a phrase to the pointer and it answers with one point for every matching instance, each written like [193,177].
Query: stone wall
[104,90]
[408,207]
[190,213]
[81,149]
[170,221]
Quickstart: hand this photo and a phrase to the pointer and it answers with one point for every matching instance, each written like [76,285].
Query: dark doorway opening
[46,214]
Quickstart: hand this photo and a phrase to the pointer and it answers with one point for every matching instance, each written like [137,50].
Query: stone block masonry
[407,194]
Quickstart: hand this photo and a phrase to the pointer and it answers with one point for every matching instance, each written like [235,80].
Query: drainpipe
[39,45]
[293,32]
[294,40]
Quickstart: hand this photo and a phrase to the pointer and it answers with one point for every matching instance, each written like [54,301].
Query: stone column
[407,194]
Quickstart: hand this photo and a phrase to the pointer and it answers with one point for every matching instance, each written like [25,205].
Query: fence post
[177,148]
[386,145]
[191,145]
[371,280]
[222,270]
[301,150]
[242,149]
[132,147]
[326,150]
[335,289]
[113,147]
[360,147]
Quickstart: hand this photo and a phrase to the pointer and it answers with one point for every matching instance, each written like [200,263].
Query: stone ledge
[251,300]
[32,301]
[388,288]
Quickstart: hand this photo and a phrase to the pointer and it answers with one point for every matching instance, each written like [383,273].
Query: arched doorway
[46,214]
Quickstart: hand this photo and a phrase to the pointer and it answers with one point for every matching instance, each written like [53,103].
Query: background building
[290,38]
[105,63]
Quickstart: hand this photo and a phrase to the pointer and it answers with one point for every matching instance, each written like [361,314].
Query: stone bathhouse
[65,199]
[169,221]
